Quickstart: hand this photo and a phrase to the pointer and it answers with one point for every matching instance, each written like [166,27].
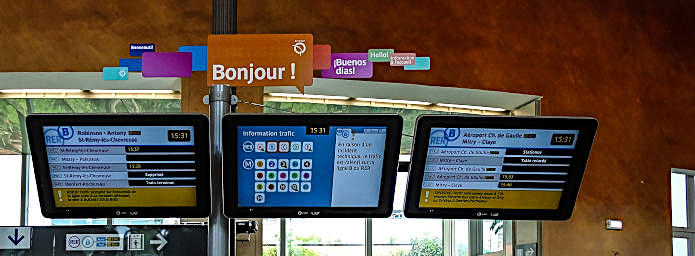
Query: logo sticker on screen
[248,146]
[248,164]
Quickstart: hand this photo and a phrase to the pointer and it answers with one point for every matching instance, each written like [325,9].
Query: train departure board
[501,167]
[121,165]
[315,164]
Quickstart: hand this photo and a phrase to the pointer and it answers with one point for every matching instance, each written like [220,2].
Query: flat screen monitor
[121,165]
[310,166]
[471,167]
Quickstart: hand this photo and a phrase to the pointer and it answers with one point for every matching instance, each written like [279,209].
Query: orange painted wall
[628,63]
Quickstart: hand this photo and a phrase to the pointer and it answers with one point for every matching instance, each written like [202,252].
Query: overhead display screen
[320,164]
[493,170]
[496,168]
[121,167]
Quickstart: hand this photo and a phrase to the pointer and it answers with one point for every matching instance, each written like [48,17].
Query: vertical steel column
[26,163]
[220,243]
[368,239]
[219,238]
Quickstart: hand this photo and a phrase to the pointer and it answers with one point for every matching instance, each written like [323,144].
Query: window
[325,237]
[683,211]
[10,184]
[400,236]
[12,139]
[393,236]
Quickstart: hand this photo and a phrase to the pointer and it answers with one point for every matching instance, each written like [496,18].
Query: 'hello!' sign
[261,60]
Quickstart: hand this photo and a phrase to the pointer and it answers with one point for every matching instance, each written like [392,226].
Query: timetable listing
[88,175]
[162,174]
[158,183]
[149,166]
[465,160]
[493,185]
[150,149]
[86,159]
[87,150]
[87,167]
[445,151]
[539,152]
[536,160]
[462,168]
[535,168]
[177,157]
[537,185]
[459,177]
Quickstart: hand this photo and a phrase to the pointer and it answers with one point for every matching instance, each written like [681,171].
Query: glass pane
[9,106]
[400,236]
[10,188]
[407,237]
[313,237]
[678,198]
[493,236]
[461,237]
[680,247]
[271,237]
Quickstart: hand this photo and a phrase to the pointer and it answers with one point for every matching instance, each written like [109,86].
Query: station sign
[261,60]
[15,238]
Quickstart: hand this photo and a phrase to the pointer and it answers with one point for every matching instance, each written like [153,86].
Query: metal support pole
[219,238]
[26,163]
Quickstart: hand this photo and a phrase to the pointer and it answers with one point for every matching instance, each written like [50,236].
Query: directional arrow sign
[15,238]
[161,242]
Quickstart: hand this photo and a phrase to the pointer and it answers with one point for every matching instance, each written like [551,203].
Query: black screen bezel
[587,130]
[36,122]
[392,122]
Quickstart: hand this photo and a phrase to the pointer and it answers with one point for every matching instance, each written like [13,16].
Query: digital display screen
[496,168]
[121,166]
[310,166]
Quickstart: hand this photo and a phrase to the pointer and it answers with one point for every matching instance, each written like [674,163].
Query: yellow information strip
[494,199]
[124,197]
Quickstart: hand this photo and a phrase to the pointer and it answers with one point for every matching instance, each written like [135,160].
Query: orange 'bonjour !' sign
[261,60]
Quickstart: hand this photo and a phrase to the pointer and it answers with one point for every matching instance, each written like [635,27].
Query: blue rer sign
[138,49]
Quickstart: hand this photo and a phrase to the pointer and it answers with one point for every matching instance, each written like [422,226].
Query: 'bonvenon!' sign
[261,60]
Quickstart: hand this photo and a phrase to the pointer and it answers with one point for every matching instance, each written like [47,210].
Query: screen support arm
[222,101]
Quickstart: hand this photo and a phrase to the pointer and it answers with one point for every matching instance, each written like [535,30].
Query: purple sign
[349,65]
[167,64]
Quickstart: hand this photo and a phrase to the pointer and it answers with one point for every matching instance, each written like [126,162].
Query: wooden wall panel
[628,63]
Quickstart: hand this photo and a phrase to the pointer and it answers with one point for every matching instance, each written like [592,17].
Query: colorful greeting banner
[115,73]
[322,56]
[136,50]
[380,55]
[349,65]
[134,65]
[200,56]
[421,63]
[402,59]
[261,60]
[167,64]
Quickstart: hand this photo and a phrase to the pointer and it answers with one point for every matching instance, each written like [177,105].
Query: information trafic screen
[310,166]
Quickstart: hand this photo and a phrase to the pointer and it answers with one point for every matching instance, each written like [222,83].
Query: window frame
[689,231]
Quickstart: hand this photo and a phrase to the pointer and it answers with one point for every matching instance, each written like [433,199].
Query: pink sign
[402,59]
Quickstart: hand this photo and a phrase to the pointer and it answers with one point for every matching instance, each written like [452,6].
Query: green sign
[380,55]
